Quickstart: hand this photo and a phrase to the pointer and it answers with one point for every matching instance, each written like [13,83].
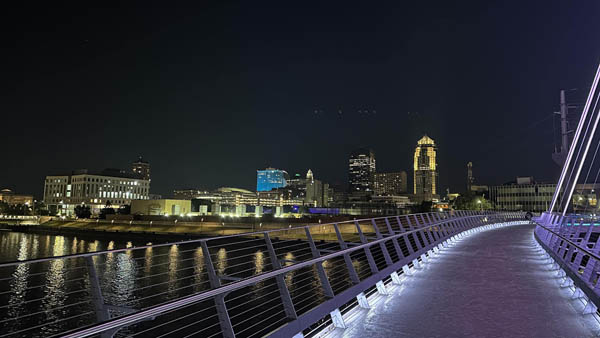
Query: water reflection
[92,246]
[54,287]
[198,269]
[173,264]
[289,257]
[19,283]
[74,245]
[259,262]
[221,261]
[124,280]
[169,272]
[148,258]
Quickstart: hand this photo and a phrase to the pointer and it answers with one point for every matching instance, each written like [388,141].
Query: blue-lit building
[271,178]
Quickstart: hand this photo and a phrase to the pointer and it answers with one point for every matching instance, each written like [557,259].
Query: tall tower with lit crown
[425,170]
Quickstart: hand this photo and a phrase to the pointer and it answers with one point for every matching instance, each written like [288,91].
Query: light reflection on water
[198,269]
[125,277]
[54,286]
[173,264]
[221,261]
[20,282]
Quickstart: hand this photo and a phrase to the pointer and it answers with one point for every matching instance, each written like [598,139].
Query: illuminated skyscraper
[425,166]
[271,178]
[361,171]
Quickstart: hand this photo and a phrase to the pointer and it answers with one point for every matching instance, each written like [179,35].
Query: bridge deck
[491,284]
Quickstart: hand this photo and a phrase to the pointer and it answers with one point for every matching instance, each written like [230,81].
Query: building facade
[316,191]
[9,197]
[425,170]
[524,194]
[164,207]
[271,178]
[63,193]
[361,171]
[390,183]
[470,178]
[141,168]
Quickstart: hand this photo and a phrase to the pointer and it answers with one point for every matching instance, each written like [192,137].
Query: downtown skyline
[93,94]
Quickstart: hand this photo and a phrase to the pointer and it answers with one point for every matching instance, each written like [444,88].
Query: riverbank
[179,230]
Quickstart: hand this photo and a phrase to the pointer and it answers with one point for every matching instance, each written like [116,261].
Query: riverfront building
[271,178]
[94,189]
[425,170]
[525,194]
[361,171]
[164,207]
[9,197]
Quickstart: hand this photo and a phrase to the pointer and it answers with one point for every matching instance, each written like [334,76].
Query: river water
[57,292]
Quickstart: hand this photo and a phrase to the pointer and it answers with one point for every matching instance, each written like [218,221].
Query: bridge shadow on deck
[489,284]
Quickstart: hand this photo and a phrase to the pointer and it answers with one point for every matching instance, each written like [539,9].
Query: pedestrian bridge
[490,283]
[459,274]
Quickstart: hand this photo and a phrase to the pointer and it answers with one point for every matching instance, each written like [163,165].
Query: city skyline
[89,94]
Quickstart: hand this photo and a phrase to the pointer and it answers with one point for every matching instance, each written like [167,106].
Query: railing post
[215,282]
[351,271]
[443,229]
[367,250]
[386,254]
[410,226]
[400,224]
[409,246]
[417,220]
[435,236]
[284,293]
[426,242]
[417,242]
[320,270]
[100,308]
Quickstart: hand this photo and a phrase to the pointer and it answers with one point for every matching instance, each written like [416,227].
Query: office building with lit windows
[361,171]
[390,184]
[425,170]
[271,178]
[141,168]
[63,193]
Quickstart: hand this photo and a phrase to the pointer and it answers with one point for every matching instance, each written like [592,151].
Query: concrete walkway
[489,284]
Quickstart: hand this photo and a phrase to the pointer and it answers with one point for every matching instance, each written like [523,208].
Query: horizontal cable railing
[572,244]
[242,285]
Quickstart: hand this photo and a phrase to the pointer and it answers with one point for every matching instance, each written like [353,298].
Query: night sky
[209,94]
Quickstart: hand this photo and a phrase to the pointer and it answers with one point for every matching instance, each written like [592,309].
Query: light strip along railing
[242,285]
[572,245]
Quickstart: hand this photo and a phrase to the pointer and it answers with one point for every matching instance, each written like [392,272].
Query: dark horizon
[210,94]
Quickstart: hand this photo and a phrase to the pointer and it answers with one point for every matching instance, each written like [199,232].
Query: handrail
[587,252]
[138,316]
[199,240]
[568,256]
[206,270]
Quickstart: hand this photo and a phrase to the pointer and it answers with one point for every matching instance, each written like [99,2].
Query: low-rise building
[165,207]
[9,197]
[525,194]
[62,193]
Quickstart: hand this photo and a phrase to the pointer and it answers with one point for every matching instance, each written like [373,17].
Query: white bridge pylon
[580,146]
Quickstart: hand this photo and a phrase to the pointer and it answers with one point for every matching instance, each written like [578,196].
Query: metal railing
[279,282]
[571,243]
